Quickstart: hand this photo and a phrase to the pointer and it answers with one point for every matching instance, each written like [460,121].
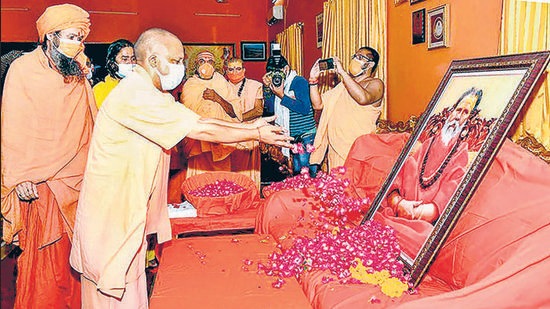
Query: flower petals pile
[366,253]
[218,188]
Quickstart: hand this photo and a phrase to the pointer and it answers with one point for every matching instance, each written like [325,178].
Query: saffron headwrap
[63,16]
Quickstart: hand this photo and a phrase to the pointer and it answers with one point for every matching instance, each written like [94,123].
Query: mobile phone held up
[326,64]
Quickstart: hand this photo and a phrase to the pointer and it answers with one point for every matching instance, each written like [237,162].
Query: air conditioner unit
[275,14]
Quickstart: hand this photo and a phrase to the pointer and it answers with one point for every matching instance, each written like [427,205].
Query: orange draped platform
[239,220]
[184,280]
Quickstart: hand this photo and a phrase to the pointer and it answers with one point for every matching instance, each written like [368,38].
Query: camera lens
[277,80]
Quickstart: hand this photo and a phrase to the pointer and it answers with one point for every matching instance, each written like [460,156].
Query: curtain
[291,41]
[526,28]
[350,24]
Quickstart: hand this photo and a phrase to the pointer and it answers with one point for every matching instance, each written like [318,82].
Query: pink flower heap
[352,254]
[218,188]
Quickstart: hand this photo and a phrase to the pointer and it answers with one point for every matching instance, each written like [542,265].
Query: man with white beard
[429,177]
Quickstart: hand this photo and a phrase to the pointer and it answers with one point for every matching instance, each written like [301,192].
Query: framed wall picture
[438,27]
[415,1]
[253,51]
[222,52]
[319,29]
[450,150]
[419,26]
[398,2]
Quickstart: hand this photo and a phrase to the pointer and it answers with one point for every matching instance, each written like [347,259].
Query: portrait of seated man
[430,176]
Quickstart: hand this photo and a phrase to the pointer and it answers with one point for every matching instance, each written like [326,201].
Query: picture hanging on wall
[419,26]
[253,51]
[438,27]
[415,1]
[319,28]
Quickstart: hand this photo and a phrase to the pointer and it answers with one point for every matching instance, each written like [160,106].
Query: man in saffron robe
[208,94]
[349,110]
[123,195]
[47,119]
[246,160]
[429,177]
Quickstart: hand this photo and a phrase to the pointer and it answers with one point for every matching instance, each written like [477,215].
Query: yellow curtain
[291,40]
[350,24]
[526,28]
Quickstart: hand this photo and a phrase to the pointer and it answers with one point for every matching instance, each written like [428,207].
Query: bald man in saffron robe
[210,95]
[349,110]
[124,192]
[428,179]
[47,119]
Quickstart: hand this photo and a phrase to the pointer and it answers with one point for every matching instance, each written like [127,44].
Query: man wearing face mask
[47,120]
[120,62]
[124,192]
[287,96]
[246,161]
[210,95]
[349,110]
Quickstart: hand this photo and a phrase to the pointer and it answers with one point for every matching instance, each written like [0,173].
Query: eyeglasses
[361,57]
[234,69]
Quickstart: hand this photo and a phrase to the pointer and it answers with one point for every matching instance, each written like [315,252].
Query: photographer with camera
[350,109]
[287,96]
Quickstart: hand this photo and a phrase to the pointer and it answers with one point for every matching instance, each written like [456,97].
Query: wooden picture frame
[438,27]
[419,26]
[461,138]
[398,2]
[222,53]
[415,1]
[319,29]
[253,51]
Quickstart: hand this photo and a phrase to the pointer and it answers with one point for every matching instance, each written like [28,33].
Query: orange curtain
[291,41]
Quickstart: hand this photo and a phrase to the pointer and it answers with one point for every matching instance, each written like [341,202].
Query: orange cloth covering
[342,122]
[245,161]
[413,233]
[494,257]
[123,196]
[239,220]
[46,129]
[205,156]
[185,280]
[64,16]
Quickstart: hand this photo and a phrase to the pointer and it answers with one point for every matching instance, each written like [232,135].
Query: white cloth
[282,112]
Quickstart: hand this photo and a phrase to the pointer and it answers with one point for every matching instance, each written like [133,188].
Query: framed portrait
[438,27]
[415,1]
[319,29]
[253,51]
[450,150]
[419,26]
[222,53]
[398,2]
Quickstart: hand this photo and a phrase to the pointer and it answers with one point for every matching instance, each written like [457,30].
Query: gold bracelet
[259,135]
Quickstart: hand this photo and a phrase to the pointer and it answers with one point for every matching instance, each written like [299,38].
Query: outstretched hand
[274,135]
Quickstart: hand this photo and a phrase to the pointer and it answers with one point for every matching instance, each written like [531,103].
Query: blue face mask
[124,69]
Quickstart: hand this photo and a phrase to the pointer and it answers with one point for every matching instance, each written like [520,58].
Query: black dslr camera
[277,77]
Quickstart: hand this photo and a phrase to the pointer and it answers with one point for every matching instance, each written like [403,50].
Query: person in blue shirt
[286,94]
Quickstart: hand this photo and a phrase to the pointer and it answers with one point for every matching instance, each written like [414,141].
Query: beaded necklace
[427,182]
[241,88]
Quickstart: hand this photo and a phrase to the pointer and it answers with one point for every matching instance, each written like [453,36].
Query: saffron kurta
[342,122]
[123,197]
[206,156]
[46,130]
[248,161]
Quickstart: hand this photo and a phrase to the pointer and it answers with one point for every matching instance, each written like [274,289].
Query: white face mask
[124,69]
[173,78]
[89,75]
